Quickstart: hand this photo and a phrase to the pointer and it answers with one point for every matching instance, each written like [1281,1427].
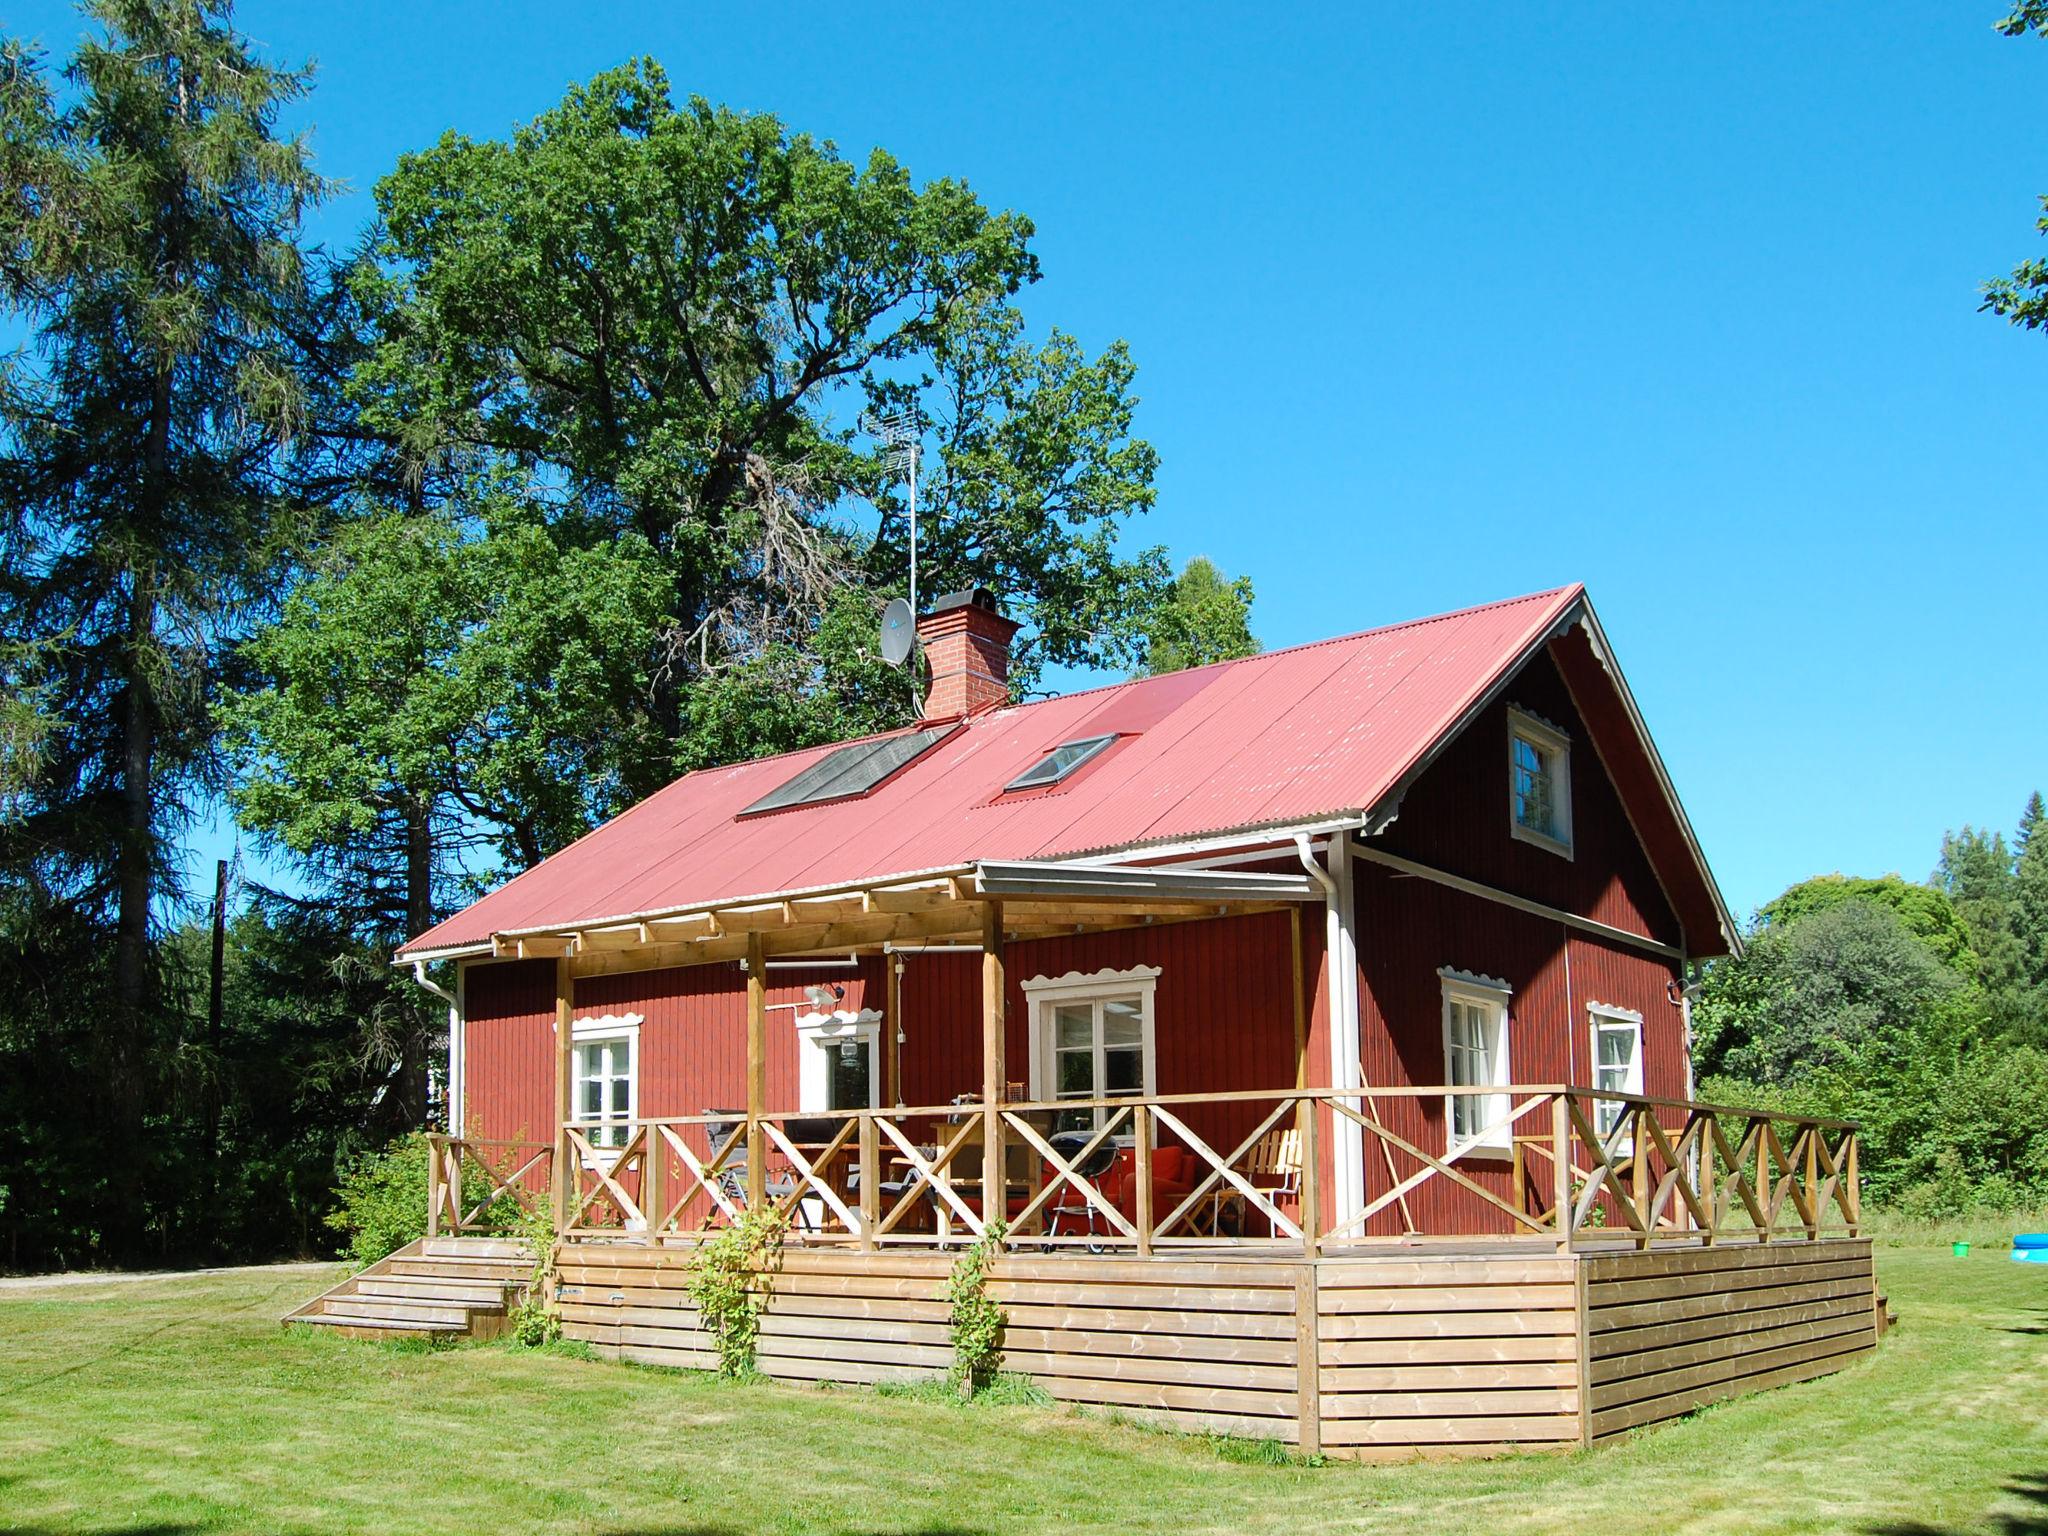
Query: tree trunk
[419,916]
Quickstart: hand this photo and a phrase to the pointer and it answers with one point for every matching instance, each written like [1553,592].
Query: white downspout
[1340,952]
[455,1040]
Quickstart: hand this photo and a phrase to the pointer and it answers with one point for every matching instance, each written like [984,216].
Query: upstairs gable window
[1539,783]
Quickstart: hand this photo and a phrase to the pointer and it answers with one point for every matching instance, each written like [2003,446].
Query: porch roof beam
[1049,881]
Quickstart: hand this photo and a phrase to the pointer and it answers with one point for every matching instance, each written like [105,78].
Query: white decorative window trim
[818,1033]
[1493,995]
[1547,738]
[1616,1012]
[1043,993]
[1475,981]
[609,1026]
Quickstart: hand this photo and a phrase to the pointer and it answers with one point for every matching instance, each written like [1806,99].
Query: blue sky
[1433,306]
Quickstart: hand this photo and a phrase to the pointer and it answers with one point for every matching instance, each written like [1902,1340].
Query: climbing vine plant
[977,1322]
[725,1283]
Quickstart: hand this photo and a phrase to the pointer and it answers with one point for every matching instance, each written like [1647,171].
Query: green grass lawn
[179,1405]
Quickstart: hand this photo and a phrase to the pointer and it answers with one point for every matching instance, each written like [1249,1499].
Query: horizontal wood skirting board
[1421,1353]
[1448,1325]
[1668,1288]
[1612,1377]
[1438,1298]
[1788,1312]
[1196,1399]
[1351,1274]
[1451,1404]
[1208,1374]
[1460,1352]
[1498,1432]
[1821,1362]
[1468,1376]
[1603,1267]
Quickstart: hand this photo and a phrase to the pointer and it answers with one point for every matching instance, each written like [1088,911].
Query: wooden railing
[1169,1171]
[518,1172]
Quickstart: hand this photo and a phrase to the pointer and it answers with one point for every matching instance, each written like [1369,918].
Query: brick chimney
[966,642]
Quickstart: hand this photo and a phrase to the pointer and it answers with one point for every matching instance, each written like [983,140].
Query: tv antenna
[900,430]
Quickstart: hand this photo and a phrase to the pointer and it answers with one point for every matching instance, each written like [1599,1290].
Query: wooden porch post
[757,1070]
[564,1182]
[995,1184]
[1561,1168]
[1304,1109]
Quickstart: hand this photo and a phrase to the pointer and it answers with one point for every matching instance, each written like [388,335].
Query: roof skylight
[850,771]
[1060,763]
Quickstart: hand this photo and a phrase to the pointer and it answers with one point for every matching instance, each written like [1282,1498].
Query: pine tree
[2030,893]
[150,253]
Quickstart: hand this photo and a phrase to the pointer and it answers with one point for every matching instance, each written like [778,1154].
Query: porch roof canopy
[1331,733]
[1036,900]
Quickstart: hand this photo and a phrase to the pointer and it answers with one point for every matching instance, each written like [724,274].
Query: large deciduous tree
[149,251]
[671,319]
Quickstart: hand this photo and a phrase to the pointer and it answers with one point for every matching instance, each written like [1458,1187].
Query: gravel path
[126,1276]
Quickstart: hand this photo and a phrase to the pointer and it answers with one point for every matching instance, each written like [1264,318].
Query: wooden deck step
[504,1271]
[479,1293]
[423,1312]
[385,1326]
[439,1287]
[476,1248]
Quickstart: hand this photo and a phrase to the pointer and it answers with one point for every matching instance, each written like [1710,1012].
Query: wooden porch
[1629,1260]
[1443,1351]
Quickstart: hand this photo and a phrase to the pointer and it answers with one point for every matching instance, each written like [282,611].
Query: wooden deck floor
[1450,1349]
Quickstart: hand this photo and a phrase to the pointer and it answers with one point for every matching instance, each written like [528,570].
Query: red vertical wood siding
[1408,929]
[1455,818]
[693,1045]
[508,1054]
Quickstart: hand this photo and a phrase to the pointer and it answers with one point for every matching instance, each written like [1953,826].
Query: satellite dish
[899,629]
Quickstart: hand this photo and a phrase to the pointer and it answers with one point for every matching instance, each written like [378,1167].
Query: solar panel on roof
[850,771]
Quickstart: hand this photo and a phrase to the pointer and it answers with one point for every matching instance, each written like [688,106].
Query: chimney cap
[973,597]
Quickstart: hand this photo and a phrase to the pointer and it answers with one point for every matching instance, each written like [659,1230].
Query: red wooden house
[1272,988]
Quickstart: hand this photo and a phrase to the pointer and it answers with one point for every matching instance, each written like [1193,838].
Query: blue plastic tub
[2030,1255]
[2034,1240]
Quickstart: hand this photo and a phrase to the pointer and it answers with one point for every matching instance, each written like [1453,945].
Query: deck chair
[1272,1167]
[732,1178]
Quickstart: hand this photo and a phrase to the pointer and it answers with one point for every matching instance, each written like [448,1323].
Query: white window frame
[820,1033]
[1603,1018]
[1549,740]
[1044,994]
[603,1031]
[1493,995]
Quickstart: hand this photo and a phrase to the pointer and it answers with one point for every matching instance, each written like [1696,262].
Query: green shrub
[725,1282]
[535,1322]
[977,1323]
[381,1200]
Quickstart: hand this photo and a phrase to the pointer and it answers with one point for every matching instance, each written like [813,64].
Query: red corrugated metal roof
[1287,736]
